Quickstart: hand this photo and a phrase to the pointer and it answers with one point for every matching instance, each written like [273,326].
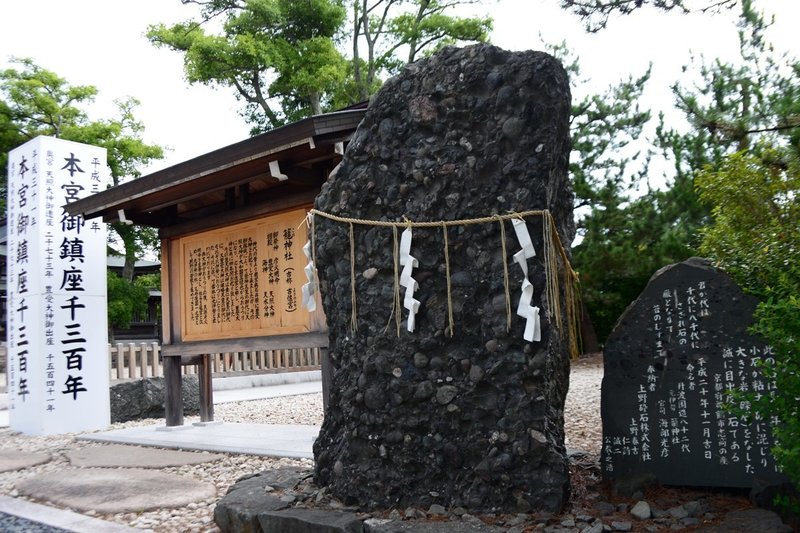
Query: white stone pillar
[57,321]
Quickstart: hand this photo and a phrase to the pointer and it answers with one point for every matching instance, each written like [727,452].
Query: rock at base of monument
[765,495]
[629,486]
[669,365]
[144,398]
[310,521]
[238,510]
[473,419]
[749,520]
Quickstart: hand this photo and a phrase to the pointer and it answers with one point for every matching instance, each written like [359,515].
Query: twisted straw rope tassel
[447,274]
[506,284]
[354,311]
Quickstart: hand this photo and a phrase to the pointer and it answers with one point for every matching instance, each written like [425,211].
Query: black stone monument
[475,419]
[669,364]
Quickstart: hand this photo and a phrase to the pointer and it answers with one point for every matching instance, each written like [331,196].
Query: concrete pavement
[272,440]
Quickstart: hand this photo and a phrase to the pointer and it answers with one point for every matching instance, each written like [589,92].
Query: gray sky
[101,43]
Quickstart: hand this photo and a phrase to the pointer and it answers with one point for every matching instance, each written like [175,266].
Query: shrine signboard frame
[216,214]
[238,289]
[244,280]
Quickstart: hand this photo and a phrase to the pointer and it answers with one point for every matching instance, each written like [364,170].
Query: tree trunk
[130,263]
[412,46]
[360,87]
[127,235]
[314,101]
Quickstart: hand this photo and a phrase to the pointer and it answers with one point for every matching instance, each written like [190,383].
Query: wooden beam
[321,129]
[257,209]
[299,175]
[315,339]
[205,191]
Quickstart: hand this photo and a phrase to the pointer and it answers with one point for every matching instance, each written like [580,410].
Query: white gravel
[583,432]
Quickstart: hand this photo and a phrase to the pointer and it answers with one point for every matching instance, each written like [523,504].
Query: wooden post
[121,362]
[173,406]
[327,378]
[131,360]
[206,389]
[143,359]
[156,364]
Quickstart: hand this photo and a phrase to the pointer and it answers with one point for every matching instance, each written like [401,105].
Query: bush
[755,202]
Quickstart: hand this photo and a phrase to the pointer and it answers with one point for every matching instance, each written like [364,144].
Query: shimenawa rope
[553,248]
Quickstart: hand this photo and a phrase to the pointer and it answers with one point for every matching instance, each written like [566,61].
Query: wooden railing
[133,361]
[140,360]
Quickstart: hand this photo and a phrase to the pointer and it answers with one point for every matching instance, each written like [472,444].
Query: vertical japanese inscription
[222,277]
[242,280]
[671,365]
[57,293]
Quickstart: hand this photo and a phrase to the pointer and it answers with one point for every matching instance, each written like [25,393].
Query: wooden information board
[244,280]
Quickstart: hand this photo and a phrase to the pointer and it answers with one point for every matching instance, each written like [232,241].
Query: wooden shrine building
[231,229]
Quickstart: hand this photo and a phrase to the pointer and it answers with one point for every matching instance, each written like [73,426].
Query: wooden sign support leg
[173,406]
[206,389]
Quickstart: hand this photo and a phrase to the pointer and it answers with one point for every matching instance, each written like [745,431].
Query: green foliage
[730,107]
[778,321]
[624,238]
[727,108]
[595,13]
[124,300]
[603,128]
[382,29]
[752,185]
[151,282]
[756,212]
[36,101]
[425,28]
[10,137]
[624,243]
[756,238]
[281,56]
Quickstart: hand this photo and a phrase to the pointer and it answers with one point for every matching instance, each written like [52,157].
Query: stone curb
[59,518]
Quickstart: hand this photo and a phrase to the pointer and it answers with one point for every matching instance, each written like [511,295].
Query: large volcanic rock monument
[472,419]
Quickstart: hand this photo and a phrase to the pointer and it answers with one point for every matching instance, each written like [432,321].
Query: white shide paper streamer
[408,262]
[530,313]
[309,289]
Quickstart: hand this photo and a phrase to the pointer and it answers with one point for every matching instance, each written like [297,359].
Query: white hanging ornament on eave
[408,262]
[533,330]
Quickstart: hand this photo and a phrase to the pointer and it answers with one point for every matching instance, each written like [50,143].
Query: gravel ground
[582,427]
[583,432]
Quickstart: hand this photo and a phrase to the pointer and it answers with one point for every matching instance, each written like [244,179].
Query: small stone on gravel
[641,510]
[678,512]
